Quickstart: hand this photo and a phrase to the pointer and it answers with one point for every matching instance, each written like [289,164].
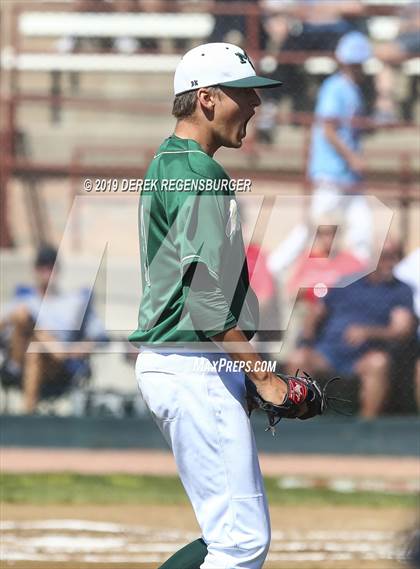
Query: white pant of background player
[329,199]
[203,418]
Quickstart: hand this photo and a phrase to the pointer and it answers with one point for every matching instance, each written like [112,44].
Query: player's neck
[351,75]
[202,135]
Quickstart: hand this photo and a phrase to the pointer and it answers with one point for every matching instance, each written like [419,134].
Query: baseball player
[336,164]
[198,312]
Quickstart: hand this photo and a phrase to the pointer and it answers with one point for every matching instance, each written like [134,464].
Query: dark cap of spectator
[46,256]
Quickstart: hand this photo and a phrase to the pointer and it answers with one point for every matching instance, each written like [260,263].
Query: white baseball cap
[353,48]
[218,64]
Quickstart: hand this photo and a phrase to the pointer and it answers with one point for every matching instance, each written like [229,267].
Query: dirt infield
[81,537]
[162,463]
[142,536]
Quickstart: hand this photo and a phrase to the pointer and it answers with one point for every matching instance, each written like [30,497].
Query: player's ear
[206,97]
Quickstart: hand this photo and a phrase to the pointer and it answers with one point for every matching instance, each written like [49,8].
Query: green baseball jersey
[188,214]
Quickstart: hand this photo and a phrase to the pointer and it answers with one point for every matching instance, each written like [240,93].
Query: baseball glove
[300,390]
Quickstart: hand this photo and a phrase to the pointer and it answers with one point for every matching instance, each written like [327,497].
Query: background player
[336,164]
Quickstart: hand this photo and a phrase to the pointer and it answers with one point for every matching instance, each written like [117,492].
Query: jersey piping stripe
[177,152]
[144,241]
[190,257]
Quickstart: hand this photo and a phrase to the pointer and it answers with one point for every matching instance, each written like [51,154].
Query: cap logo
[244,58]
[194,83]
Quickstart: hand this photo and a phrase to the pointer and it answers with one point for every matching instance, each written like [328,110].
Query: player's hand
[271,389]
[275,391]
[355,335]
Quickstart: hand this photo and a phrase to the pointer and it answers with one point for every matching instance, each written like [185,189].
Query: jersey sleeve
[209,311]
[200,229]
[330,102]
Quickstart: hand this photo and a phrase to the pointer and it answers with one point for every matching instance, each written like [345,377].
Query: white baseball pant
[328,198]
[202,415]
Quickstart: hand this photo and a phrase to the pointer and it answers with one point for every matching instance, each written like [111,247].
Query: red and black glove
[305,399]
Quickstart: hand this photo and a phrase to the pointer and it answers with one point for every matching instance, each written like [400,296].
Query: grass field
[63,521]
[129,489]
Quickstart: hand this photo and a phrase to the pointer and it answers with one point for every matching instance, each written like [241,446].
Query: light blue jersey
[339,98]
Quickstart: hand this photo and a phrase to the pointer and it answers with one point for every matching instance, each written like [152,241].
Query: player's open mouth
[243,129]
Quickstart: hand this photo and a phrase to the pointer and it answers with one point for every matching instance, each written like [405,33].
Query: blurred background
[86,94]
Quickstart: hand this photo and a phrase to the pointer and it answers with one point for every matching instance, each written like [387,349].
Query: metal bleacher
[194,27]
[34,48]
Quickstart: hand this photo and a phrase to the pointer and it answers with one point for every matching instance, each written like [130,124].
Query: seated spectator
[407,42]
[361,325]
[49,320]
[408,271]
[311,25]
[323,263]
[392,54]
[233,27]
